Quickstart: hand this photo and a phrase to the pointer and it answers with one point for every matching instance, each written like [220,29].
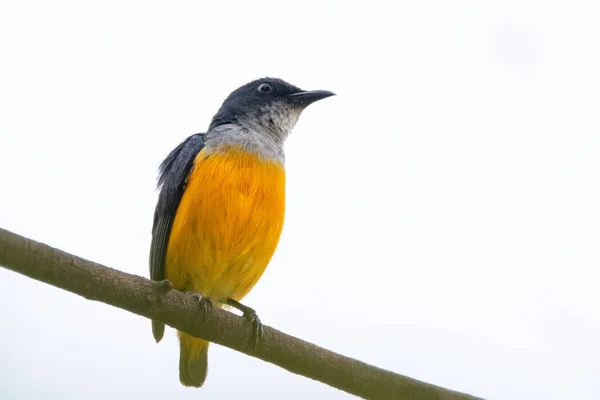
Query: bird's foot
[250,315]
[204,302]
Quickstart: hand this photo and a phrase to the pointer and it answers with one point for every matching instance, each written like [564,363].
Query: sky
[442,211]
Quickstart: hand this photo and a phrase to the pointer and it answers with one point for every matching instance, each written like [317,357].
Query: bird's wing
[173,174]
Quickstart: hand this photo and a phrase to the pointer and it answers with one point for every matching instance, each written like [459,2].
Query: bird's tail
[193,360]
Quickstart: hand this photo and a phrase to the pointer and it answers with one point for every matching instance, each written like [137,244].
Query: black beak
[305,98]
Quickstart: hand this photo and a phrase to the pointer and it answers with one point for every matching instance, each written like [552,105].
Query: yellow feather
[227,225]
[225,232]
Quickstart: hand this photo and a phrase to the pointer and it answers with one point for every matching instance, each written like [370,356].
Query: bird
[221,206]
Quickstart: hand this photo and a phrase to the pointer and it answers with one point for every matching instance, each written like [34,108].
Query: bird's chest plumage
[227,224]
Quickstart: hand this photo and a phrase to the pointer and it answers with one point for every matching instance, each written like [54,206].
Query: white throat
[264,132]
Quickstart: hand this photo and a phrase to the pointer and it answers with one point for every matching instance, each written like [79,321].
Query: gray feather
[173,174]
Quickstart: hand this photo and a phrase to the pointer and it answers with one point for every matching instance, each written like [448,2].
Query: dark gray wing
[172,177]
[173,174]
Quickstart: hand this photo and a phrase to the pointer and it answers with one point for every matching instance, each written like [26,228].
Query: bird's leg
[251,316]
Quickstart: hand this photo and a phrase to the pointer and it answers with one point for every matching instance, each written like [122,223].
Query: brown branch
[158,301]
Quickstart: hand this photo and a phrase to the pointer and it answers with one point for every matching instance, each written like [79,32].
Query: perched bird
[221,205]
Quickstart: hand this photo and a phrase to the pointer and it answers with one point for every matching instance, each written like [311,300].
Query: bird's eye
[265,88]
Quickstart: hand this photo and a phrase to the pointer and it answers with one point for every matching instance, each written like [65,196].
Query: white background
[443,214]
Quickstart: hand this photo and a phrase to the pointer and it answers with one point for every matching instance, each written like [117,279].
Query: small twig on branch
[158,301]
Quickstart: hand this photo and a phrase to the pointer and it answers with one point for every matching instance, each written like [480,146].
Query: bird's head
[267,105]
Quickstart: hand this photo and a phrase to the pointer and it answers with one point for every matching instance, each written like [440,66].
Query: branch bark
[158,301]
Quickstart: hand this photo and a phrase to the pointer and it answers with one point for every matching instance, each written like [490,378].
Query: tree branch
[158,301]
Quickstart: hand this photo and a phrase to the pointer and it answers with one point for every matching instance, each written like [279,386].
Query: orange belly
[227,224]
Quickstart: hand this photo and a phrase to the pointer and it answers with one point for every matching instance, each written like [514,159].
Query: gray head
[269,105]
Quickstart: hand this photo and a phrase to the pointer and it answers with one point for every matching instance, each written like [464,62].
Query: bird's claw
[204,302]
[257,327]
[249,315]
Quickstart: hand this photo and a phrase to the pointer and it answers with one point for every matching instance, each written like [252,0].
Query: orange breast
[227,225]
